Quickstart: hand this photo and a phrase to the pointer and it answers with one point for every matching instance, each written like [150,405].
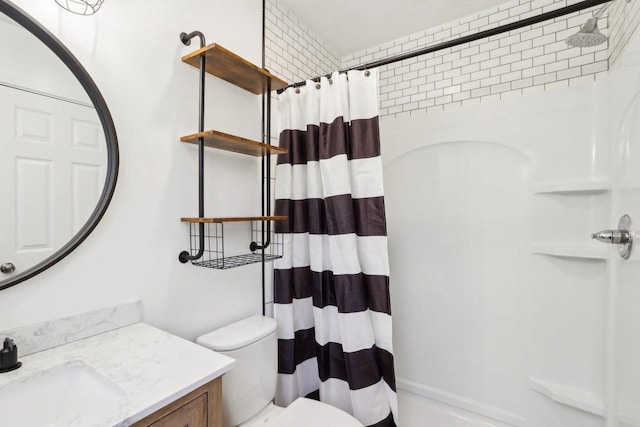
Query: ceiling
[353,25]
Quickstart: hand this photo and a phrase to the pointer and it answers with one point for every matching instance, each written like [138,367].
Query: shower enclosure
[506,312]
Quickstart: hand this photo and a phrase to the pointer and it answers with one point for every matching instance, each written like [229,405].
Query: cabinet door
[192,414]
[200,408]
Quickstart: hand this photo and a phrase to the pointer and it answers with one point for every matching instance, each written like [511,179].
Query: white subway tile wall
[528,60]
[624,17]
[292,52]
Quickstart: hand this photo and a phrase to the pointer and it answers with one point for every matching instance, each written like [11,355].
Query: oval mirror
[58,149]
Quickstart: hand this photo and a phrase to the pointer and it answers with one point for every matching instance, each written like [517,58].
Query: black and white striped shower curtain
[332,300]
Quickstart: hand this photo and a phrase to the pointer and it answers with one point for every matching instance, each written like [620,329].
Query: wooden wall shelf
[235,144]
[206,235]
[235,219]
[236,70]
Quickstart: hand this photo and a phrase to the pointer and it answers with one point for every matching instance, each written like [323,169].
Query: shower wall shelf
[570,250]
[207,247]
[236,144]
[571,187]
[569,396]
[228,66]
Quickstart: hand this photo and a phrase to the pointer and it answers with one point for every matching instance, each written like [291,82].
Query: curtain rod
[472,37]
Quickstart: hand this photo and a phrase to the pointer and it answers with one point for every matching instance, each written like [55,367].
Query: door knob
[623,236]
[7,268]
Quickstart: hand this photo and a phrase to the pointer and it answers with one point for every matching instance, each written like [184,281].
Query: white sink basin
[64,395]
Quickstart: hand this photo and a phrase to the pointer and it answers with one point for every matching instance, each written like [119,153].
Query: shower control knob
[7,268]
[623,236]
[615,237]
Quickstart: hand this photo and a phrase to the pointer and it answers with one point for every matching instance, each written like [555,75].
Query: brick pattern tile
[528,60]
[292,52]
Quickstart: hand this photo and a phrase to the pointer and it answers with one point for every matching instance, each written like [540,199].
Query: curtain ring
[297,89]
[329,79]
[367,73]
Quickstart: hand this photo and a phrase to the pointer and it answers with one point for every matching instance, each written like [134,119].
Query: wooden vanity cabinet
[200,408]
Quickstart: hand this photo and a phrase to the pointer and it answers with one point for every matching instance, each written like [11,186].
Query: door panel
[52,173]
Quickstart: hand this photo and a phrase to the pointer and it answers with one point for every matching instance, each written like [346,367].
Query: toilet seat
[312,413]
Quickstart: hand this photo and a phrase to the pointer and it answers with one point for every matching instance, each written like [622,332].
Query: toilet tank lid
[239,334]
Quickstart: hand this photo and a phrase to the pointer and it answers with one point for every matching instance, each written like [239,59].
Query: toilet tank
[251,384]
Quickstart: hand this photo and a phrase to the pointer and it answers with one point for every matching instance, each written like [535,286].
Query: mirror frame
[56,46]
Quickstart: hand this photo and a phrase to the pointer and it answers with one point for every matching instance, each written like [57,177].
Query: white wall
[23,59]
[132,51]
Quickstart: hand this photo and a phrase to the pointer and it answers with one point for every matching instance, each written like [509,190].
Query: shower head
[588,36]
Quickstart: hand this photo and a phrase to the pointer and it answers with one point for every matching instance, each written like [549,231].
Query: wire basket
[214,251]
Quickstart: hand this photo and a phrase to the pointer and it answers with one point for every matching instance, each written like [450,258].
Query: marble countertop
[150,366]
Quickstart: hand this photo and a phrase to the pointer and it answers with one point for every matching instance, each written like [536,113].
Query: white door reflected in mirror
[52,169]
[53,156]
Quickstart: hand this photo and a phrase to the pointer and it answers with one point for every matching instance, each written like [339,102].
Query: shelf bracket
[185,38]
[266,176]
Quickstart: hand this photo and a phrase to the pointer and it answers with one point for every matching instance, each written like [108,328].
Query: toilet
[249,388]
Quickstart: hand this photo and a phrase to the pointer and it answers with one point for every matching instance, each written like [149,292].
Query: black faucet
[9,356]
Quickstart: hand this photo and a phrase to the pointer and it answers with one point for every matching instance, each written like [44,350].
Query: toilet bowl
[249,388]
[311,413]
